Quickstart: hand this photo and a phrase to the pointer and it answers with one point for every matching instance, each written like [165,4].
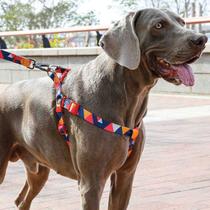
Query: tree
[86,19]
[17,15]
[129,4]
[156,3]
[55,15]
[182,7]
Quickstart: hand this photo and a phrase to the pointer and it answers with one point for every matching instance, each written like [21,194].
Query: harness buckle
[42,67]
[32,64]
[74,107]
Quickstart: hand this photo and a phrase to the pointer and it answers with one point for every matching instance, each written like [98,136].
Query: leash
[58,74]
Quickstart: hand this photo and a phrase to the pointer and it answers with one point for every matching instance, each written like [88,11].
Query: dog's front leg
[121,186]
[94,167]
[91,191]
[122,180]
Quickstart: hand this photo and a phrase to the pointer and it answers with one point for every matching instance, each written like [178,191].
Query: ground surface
[174,172]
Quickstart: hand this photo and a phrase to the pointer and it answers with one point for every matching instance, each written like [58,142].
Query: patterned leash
[58,74]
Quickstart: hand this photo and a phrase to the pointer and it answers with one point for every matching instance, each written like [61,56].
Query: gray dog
[139,49]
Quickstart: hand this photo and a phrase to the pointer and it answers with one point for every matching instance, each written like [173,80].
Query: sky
[107,11]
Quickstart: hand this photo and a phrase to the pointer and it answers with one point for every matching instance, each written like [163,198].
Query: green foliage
[182,7]
[86,19]
[54,16]
[18,15]
[128,5]
[15,16]
[25,45]
[56,41]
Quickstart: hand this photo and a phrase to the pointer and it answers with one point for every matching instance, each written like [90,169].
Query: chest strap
[58,75]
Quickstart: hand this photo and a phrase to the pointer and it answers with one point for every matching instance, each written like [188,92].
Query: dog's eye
[158,25]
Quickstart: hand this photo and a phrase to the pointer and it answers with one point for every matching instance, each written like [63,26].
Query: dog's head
[157,39]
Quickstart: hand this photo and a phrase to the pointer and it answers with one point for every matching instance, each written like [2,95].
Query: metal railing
[54,31]
[197,20]
[194,20]
[82,29]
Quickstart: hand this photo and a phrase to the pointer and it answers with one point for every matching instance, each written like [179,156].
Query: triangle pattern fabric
[135,133]
[10,56]
[109,128]
[81,112]
[115,127]
[119,131]
[99,119]
[129,133]
[89,119]
[1,55]
[125,129]
[87,113]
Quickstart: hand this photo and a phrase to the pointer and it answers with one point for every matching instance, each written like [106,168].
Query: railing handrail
[54,31]
[194,20]
[197,20]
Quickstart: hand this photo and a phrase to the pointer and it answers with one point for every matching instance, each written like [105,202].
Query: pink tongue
[185,74]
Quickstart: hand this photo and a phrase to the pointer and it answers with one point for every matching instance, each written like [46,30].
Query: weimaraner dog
[138,50]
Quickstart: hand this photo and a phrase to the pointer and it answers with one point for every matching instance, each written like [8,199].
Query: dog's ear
[121,42]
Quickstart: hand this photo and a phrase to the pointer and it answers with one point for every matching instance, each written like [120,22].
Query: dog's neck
[139,80]
[138,83]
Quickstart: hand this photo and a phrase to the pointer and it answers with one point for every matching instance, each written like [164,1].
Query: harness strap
[76,109]
[28,63]
[58,74]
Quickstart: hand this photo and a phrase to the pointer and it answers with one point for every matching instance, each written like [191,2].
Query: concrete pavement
[174,172]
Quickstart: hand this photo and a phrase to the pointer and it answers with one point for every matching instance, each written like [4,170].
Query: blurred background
[22,15]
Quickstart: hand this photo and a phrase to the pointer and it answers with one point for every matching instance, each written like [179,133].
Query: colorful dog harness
[58,74]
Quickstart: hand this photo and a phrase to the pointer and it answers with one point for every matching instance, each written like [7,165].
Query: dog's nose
[199,41]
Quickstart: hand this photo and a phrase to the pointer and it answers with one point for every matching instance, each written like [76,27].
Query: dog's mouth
[178,72]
